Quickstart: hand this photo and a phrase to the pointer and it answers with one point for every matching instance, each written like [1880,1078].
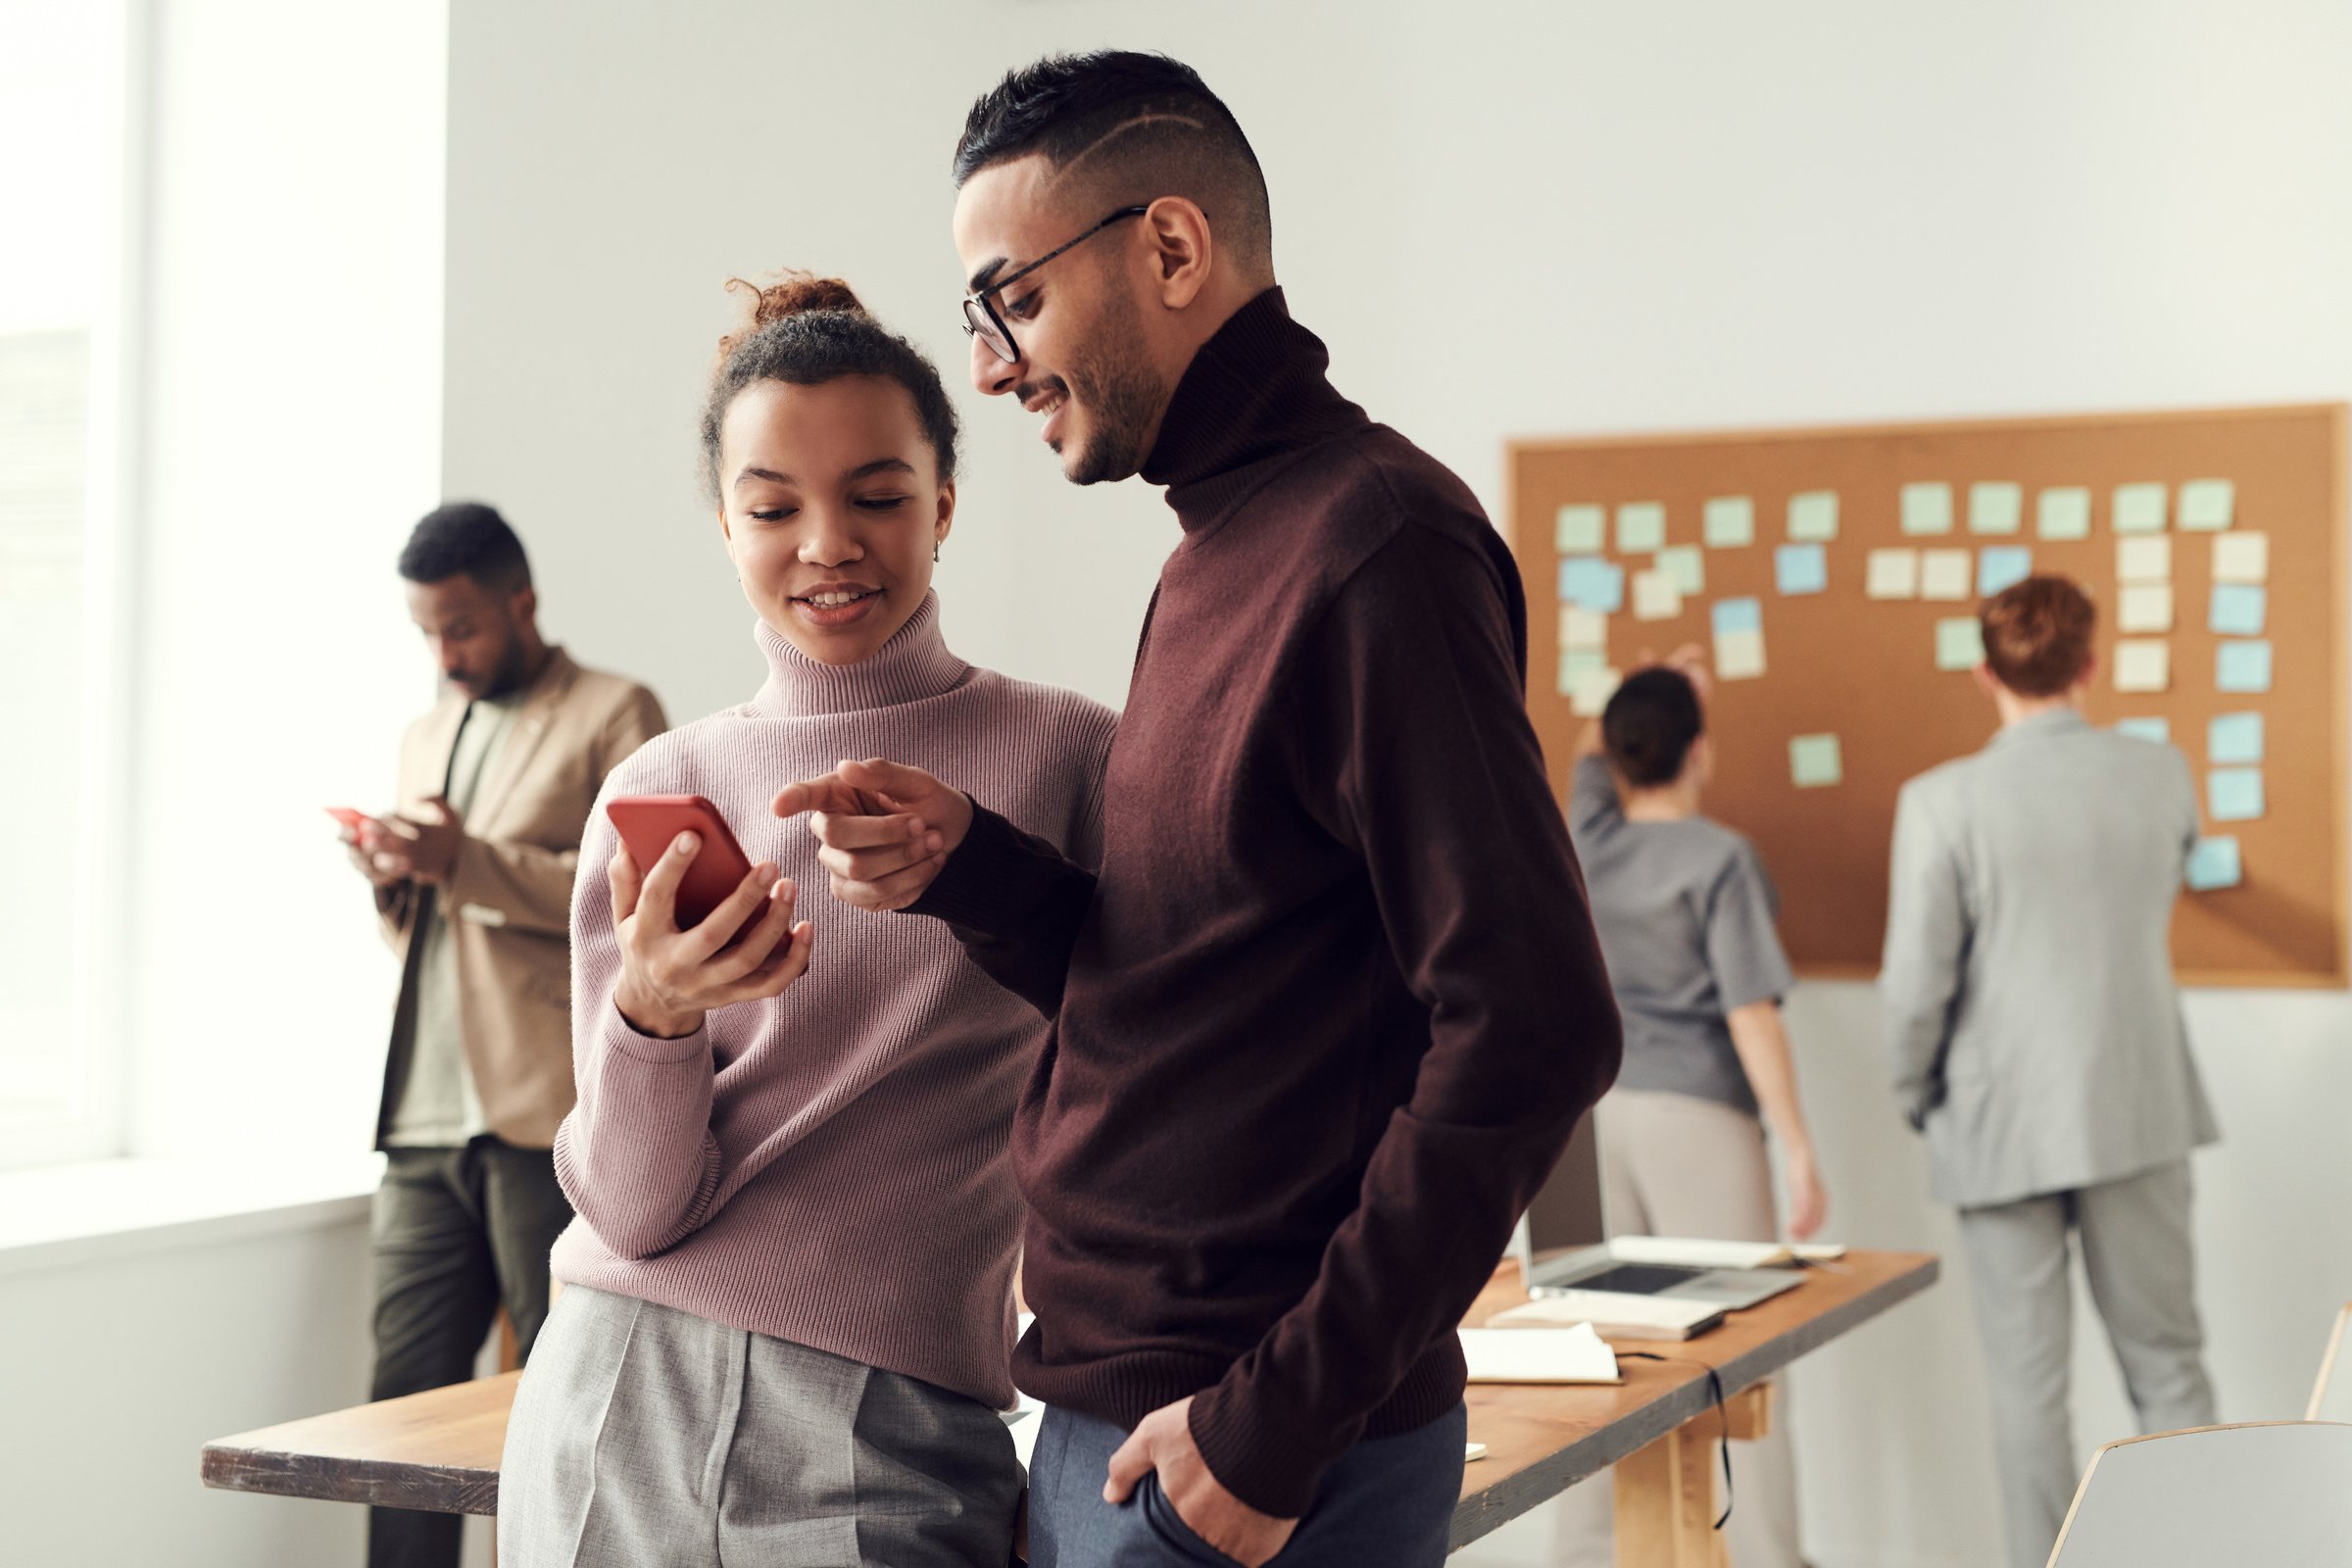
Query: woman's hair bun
[796,294]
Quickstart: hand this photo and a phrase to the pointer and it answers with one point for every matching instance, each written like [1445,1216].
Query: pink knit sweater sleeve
[636,1155]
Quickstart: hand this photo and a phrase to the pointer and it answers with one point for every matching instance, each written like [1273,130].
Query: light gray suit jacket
[2027,980]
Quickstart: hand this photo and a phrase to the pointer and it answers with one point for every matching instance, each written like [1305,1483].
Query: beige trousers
[1678,1165]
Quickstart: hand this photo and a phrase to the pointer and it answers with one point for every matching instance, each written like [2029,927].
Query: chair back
[2273,1492]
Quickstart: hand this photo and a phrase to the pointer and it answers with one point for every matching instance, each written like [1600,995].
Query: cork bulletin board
[1834,576]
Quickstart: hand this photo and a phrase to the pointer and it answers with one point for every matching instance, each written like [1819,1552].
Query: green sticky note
[2064,513]
[1686,566]
[1575,663]
[1959,643]
[1926,509]
[1813,515]
[2207,504]
[1995,508]
[1580,530]
[2139,509]
[1815,762]
[1641,528]
[1729,521]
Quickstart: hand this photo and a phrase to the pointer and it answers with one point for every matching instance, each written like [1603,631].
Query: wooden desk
[440,1450]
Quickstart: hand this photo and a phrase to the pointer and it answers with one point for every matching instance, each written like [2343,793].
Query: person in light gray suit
[2039,1044]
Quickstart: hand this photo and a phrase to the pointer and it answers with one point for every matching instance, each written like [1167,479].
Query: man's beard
[513,666]
[1122,398]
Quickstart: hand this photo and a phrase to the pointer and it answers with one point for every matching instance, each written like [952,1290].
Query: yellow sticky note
[2144,665]
[1739,654]
[1655,597]
[1959,643]
[1815,762]
[2243,556]
[1594,689]
[1892,575]
[1995,508]
[1946,574]
[1582,628]
[2144,607]
[2148,559]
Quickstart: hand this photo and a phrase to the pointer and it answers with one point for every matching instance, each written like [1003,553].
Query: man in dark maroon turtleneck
[1333,1005]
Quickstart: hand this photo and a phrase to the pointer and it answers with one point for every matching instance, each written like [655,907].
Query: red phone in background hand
[650,823]
[359,824]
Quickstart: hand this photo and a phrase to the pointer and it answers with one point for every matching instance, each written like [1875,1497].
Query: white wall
[1505,219]
[289,437]
[118,1370]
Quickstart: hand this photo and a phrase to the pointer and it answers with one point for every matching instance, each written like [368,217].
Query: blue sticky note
[1593,584]
[1801,568]
[2145,729]
[2238,608]
[2213,864]
[2001,566]
[2234,738]
[2234,794]
[2243,667]
[1733,616]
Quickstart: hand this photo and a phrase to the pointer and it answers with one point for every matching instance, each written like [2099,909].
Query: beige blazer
[508,893]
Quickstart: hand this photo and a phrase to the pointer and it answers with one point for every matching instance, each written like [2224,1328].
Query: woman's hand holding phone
[670,978]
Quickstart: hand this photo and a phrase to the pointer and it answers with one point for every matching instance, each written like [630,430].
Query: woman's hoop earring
[935,552]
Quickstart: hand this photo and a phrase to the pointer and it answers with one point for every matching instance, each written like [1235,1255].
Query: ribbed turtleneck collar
[913,664]
[1255,391]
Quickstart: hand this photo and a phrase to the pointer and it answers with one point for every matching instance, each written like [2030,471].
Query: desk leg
[1666,1493]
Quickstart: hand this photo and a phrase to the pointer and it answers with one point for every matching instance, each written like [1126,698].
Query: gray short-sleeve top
[1685,915]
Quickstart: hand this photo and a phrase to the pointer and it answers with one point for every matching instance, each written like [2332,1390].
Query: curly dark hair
[810,330]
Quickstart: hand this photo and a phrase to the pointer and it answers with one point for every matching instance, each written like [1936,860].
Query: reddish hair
[2038,635]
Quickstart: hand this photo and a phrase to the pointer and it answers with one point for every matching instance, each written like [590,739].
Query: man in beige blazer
[472,880]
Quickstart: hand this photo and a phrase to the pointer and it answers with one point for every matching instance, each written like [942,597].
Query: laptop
[1562,1246]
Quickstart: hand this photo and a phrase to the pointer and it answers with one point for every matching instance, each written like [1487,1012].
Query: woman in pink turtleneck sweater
[789,1307]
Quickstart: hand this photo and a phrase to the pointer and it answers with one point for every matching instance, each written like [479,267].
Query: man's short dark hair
[466,538]
[2038,635]
[1650,725]
[1143,127]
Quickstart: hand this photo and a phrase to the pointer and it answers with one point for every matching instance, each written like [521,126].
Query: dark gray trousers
[457,1233]
[1386,1504]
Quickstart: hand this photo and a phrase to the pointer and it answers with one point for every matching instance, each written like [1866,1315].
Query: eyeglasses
[980,317]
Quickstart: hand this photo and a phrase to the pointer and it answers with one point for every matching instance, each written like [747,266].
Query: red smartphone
[648,825]
[357,823]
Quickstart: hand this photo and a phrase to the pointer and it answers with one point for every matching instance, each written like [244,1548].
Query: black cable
[1723,1416]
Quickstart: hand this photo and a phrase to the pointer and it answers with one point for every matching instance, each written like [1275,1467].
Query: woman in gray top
[1686,917]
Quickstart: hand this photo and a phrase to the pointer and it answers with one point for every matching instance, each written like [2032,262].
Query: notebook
[1574,1354]
[1616,1315]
